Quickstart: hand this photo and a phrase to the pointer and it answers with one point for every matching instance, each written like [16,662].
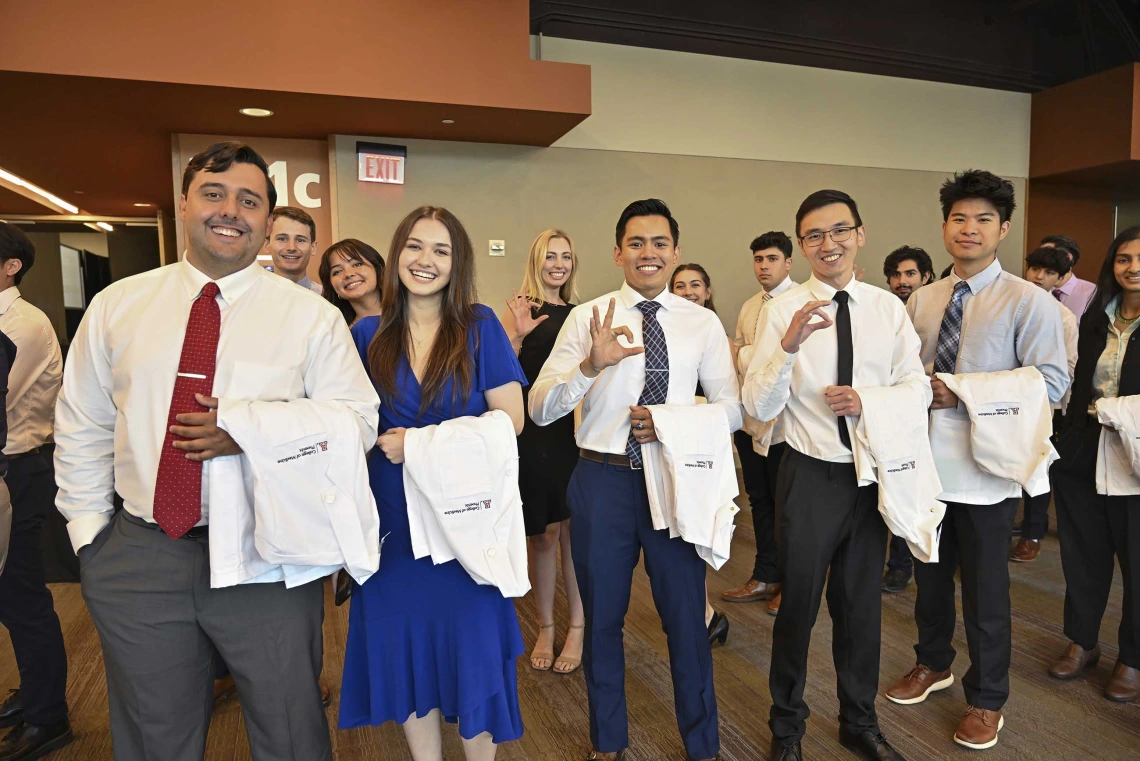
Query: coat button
[330,498]
[491,552]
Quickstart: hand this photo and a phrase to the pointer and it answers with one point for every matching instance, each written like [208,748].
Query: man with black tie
[675,344]
[830,519]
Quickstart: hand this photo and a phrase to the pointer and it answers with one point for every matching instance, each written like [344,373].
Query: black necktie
[846,354]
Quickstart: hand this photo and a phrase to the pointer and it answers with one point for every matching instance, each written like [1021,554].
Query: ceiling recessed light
[449,121]
[255,112]
[143,204]
[78,192]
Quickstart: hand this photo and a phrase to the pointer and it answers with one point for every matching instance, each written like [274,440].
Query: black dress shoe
[789,750]
[895,581]
[12,710]
[869,745]
[29,741]
[718,628]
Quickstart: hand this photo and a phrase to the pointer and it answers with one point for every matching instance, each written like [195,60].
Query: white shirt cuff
[85,528]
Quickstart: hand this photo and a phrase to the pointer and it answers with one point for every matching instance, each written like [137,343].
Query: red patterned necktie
[178,487]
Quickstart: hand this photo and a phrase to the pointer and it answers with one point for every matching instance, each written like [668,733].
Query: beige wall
[96,243]
[659,101]
[512,193]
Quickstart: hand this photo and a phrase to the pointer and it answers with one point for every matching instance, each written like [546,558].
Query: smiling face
[558,264]
[906,279]
[688,284]
[425,260]
[832,262]
[352,279]
[1126,266]
[647,254]
[291,245]
[224,215]
[973,230]
[770,267]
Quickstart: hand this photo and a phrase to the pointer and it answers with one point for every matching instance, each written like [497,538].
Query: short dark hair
[946,272]
[977,183]
[15,245]
[219,157]
[300,216]
[1066,243]
[1050,258]
[773,239]
[821,198]
[905,253]
[650,207]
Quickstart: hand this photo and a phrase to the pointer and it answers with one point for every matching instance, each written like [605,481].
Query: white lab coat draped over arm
[891,447]
[461,480]
[85,432]
[1118,455]
[312,503]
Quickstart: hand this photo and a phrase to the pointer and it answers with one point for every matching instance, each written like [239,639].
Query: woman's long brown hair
[450,356]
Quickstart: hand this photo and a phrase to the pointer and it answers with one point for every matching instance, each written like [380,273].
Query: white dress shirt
[745,332]
[698,350]
[1106,374]
[277,343]
[33,381]
[885,354]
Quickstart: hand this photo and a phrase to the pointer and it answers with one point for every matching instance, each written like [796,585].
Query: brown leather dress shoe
[1124,685]
[774,604]
[224,688]
[917,684]
[1073,661]
[1026,551]
[751,592]
[979,728]
[599,756]
[326,693]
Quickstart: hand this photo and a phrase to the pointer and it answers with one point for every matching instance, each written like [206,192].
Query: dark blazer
[1090,345]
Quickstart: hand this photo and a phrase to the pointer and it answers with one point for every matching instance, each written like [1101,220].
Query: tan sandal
[547,655]
[566,660]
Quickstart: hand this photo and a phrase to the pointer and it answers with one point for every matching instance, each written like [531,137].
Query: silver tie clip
[191,375]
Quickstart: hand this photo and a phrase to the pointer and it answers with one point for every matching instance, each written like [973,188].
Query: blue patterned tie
[951,331]
[656,370]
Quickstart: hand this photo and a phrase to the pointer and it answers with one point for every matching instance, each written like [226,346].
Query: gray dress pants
[156,615]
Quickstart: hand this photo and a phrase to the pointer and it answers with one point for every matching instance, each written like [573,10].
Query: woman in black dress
[547,455]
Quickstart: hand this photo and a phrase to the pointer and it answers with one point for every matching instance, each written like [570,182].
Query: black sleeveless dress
[548,454]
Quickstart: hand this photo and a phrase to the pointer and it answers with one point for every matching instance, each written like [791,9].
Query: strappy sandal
[547,655]
[573,663]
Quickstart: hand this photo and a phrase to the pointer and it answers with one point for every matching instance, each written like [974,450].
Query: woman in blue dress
[425,641]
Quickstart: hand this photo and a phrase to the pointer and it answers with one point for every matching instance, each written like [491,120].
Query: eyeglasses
[838,235]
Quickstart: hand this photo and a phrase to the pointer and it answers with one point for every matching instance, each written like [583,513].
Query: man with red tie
[154,364]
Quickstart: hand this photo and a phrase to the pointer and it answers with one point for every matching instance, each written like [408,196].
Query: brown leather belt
[601,458]
[22,455]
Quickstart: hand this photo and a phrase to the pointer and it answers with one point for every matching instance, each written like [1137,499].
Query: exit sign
[381,163]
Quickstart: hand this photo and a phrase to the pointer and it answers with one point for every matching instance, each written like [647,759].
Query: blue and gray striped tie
[950,333]
[656,388]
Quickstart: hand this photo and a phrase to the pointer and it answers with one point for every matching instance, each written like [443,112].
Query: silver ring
[640,426]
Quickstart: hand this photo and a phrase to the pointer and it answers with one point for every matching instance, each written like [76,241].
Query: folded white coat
[690,477]
[1011,422]
[1118,456]
[891,448]
[461,482]
[298,497]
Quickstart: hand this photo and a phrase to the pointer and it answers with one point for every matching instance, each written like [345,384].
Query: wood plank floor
[1045,719]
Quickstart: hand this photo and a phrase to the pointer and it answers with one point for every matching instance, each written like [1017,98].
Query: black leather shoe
[28,741]
[12,710]
[788,750]
[895,581]
[718,628]
[869,745]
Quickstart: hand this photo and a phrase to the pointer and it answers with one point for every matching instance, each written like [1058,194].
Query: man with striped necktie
[979,319]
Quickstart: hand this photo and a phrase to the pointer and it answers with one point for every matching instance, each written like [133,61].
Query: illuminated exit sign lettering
[381,163]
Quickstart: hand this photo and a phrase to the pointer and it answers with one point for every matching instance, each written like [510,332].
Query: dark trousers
[760,475]
[610,527]
[975,540]
[900,558]
[1093,529]
[829,523]
[27,609]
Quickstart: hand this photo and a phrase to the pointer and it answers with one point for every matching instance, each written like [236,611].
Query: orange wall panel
[445,51]
[1084,124]
[1086,215]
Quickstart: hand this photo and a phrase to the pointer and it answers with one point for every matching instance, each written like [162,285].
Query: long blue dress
[424,636]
